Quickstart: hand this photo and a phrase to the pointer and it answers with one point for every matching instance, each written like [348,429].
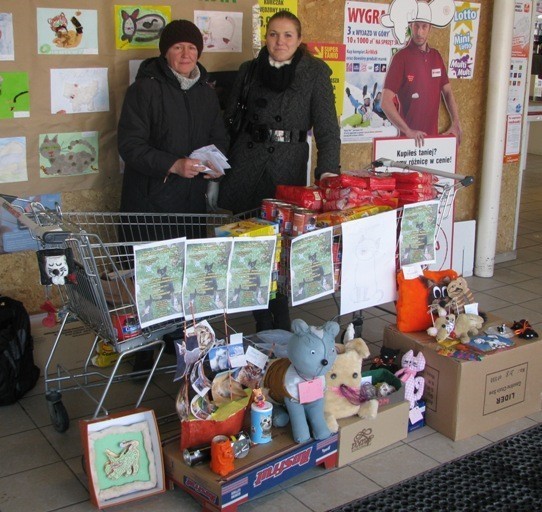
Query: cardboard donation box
[464,398]
[359,438]
[265,466]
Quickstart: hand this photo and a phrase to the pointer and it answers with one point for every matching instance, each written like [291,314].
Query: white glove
[212,195]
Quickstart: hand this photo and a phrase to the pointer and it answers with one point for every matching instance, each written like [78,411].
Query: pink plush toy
[414,386]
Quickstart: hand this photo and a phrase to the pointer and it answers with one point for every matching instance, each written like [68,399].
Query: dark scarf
[277,79]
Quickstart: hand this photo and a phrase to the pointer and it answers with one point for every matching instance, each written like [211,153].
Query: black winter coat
[258,167]
[159,124]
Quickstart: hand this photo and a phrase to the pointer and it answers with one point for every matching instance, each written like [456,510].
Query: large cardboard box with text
[464,398]
[361,437]
[265,466]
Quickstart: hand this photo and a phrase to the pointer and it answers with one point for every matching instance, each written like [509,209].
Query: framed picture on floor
[123,457]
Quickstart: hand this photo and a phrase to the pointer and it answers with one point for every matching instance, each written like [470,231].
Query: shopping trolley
[445,189]
[100,292]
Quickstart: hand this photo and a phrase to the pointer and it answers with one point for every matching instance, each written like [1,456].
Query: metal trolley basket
[100,292]
[446,190]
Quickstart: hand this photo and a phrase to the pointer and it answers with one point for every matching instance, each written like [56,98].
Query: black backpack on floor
[18,373]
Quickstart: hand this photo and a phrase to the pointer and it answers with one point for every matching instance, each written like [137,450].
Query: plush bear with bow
[298,381]
[345,395]
[414,385]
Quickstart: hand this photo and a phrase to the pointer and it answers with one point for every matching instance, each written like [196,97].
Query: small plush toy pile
[460,327]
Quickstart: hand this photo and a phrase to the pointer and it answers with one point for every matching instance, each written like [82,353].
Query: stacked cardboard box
[464,398]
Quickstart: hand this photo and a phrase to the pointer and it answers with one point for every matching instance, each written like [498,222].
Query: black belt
[262,133]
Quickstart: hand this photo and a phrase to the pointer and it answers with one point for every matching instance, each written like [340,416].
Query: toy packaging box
[464,398]
[265,466]
[361,437]
[416,416]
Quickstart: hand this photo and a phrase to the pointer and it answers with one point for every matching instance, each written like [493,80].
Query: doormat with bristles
[507,476]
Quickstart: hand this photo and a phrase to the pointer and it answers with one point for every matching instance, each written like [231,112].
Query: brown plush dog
[451,327]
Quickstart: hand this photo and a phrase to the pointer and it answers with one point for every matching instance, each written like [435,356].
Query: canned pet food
[127,326]
[304,221]
[269,209]
[285,217]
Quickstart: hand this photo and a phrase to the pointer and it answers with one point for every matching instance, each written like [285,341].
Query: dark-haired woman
[290,93]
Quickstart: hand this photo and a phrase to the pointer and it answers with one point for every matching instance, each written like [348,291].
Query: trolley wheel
[57,412]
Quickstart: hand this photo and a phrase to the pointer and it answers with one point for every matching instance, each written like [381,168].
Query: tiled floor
[41,469]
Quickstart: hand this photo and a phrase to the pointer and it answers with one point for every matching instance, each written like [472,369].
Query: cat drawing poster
[140,26]
[67,31]
[311,266]
[368,258]
[205,278]
[159,270]
[68,154]
[249,278]
[79,90]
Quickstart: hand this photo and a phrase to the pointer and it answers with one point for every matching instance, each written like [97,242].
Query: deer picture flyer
[159,270]
[311,266]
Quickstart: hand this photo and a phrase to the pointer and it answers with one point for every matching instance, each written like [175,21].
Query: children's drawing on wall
[205,281]
[13,160]
[311,266]
[68,154]
[79,90]
[14,95]
[368,255]
[222,32]
[140,26]
[14,236]
[159,270]
[6,36]
[133,68]
[67,31]
[249,279]
[418,233]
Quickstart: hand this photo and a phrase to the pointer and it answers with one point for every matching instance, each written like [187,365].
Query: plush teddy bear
[345,395]
[460,294]
[298,380]
[461,327]
[410,365]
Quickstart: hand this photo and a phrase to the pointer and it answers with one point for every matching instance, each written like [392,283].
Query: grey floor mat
[507,476]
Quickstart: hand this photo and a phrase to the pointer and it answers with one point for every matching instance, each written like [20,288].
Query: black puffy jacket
[160,123]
